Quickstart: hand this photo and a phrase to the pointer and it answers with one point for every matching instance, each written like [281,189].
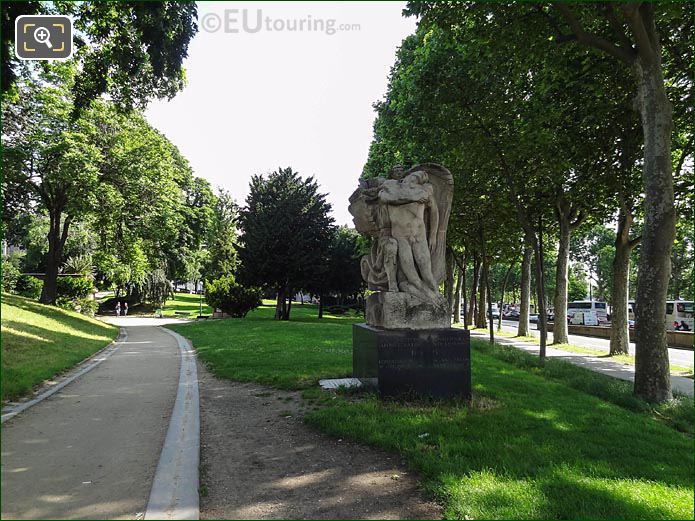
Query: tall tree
[627,33]
[50,161]
[107,168]
[286,228]
[222,240]
[634,40]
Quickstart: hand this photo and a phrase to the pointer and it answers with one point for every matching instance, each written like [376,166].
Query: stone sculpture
[406,214]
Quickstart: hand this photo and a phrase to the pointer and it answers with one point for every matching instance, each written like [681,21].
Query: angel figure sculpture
[407,214]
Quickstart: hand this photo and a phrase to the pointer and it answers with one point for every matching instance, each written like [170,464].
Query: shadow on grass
[541,450]
[678,413]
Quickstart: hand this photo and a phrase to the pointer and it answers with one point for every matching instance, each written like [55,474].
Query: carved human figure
[407,215]
[406,201]
[379,268]
[384,251]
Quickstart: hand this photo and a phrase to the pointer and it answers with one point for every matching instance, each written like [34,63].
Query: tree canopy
[132,51]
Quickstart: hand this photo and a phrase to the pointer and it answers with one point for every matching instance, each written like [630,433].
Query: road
[681,357]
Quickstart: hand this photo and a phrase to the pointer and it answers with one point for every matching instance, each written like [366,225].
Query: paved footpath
[90,451]
[679,384]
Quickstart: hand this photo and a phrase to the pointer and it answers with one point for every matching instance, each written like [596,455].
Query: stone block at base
[406,362]
[399,310]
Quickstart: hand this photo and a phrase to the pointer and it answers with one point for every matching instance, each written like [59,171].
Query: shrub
[29,287]
[86,306]
[10,276]
[77,288]
[232,298]
[154,289]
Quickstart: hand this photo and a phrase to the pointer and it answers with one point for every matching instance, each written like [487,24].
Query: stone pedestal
[405,362]
[399,310]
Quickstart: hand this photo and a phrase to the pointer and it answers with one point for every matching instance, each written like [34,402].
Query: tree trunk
[464,293]
[286,315]
[540,292]
[488,294]
[57,235]
[525,304]
[561,269]
[489,309]
[280,303]
[449,280]
[481,318]
[474,289]
[457,296]
[620,334]
[652,378]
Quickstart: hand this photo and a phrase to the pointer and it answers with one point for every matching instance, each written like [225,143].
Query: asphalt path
[90,451]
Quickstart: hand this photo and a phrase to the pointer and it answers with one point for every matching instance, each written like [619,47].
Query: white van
[679,315]
[589,305]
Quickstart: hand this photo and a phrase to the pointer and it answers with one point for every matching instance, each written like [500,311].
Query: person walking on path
[118,308]
[125,309]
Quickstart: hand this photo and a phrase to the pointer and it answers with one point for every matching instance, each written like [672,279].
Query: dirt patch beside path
[260,461]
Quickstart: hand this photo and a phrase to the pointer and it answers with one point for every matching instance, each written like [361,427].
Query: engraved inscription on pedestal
[424,363]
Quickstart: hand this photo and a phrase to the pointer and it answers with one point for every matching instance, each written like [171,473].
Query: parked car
[495,311]
[512,314]
[533,318]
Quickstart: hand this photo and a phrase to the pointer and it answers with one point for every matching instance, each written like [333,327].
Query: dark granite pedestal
[413,362]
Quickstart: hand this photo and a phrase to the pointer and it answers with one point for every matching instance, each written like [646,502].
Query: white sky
[257,101]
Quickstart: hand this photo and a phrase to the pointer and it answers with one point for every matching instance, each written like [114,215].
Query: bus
[589,305]
[679,314]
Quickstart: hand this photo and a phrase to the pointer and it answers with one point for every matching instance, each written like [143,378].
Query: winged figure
[407,213]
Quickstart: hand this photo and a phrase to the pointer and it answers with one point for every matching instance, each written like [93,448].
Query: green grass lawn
[552,442]
[185,303]
[286,355]
[40,341]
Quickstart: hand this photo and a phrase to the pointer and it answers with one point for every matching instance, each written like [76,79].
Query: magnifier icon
[42,35]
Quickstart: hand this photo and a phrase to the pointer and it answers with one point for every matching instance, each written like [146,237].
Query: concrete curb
[174,493]
[97,358]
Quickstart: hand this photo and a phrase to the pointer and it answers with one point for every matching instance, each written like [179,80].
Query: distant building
[9,249]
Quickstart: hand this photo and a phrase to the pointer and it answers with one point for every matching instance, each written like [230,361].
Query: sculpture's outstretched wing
[443,186]
[362,209]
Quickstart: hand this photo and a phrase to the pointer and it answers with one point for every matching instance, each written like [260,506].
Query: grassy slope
[533,445]
[40,341]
